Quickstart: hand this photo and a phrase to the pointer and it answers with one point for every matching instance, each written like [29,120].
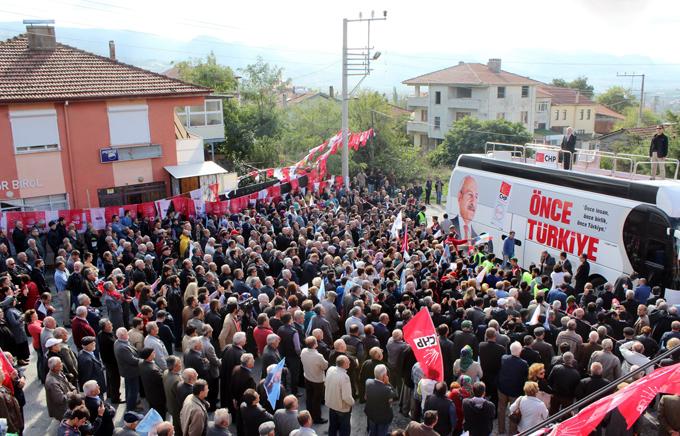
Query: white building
[468,89]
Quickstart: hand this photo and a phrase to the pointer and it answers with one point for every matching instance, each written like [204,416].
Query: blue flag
[272,384]
[446,255]
[546,324]
[150,420]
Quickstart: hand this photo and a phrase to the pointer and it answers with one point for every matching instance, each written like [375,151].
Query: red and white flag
[420,334]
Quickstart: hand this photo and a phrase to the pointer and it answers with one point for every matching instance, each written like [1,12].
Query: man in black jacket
[478,412]
[463,338]
[379,397]
[231,357]
[193,358]
[106,339]
[582,273]
[242,380]
[563,379]
[447,352]
[593,383]
[446,410]
[152,380]
[658,150]
[104,413]
[90,367]
[490,355]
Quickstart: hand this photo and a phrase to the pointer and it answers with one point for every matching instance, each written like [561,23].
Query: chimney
[112,50]
[461,63]
[331,91]
[41,37]
[578,96]
[494,65]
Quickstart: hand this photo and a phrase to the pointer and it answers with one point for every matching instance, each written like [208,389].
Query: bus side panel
[519,225]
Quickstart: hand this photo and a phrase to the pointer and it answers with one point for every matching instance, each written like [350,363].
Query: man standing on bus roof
[467,207]
[658,150]
[568,144]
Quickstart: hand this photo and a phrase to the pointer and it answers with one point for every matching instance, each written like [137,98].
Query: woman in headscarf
[465,365]
[460,390]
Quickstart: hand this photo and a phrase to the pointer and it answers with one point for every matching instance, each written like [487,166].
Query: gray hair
[120,332]
[53,361]
[608,344]
[568,358]
[239,338]
[246,357]
[271,338]
[596,368]
[193,342]
[222,417]
[82,298]
[380,371]
[515,348]
[81,310]
[150,326]
[90,386]
[189,374]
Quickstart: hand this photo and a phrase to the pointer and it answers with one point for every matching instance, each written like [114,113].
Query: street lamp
[355,62]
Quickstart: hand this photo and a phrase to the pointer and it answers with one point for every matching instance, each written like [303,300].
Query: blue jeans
[339,423]
[439,197]
[131,392]
[375,429]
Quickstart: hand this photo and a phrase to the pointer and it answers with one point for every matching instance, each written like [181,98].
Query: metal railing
[623,165]
[597,394]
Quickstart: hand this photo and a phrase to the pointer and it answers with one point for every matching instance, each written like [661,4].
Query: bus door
[647,244]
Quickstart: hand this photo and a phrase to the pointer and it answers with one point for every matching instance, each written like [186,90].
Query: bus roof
[665,194]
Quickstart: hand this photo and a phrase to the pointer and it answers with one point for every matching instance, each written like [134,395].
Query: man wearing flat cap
[152,380]
[90,367]
[130,421]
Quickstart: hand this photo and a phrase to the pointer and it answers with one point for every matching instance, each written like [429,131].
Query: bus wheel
[597,281]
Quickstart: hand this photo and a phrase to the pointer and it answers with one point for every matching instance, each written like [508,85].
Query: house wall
[573,117]
[75,169]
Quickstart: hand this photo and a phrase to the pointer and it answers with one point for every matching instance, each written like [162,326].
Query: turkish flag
[420,334]
[631,401]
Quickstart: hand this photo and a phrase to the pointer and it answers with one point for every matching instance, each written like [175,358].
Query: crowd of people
[184,310]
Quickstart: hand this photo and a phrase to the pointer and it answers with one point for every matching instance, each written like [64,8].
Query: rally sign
[420,334]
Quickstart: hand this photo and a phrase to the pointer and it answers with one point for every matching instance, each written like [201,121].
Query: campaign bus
[623,225]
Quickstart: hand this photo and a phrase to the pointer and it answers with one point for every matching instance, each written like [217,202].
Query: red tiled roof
[470,74]
[601,109]
[68,73]
[542,93]
[560,95]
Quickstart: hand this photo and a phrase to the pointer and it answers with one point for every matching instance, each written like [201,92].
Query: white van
[623,225]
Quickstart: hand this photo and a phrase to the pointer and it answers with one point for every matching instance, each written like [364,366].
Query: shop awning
[194,169]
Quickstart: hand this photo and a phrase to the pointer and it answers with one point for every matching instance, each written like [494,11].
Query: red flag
[7,369]
[631,401]
[419,333]
[404,245]
[214,188]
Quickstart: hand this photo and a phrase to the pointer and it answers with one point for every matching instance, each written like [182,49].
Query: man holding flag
[420,334]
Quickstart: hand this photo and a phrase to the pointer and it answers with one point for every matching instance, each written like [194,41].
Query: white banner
[547,158]
[98,218]
[199,205]
[196,194]
[163,206]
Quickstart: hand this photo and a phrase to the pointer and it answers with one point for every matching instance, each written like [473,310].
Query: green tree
[309,124]
[580,83]
[649,118]
[618,98]
[469,135]
[207,72]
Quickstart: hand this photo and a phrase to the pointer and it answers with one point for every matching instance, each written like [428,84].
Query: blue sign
[108,155]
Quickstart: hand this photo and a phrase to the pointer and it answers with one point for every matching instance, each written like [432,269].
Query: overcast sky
[416,33]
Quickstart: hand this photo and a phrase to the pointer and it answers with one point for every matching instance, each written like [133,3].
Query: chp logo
[545,157]
[425,341]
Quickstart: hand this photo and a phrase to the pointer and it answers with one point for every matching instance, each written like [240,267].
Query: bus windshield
[675,234]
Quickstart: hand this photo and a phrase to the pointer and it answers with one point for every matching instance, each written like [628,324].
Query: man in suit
[447,352]
[90,367]
[582,273]
[490,355]
[242,380]
[128,367]
[658,150]
[97,407]
[193,358]
[290,349]
[568,145]
[379,397]
[57,389]
[171,381]
[467,207]
[231,357]
[214,364]
[186,387]
[152,379]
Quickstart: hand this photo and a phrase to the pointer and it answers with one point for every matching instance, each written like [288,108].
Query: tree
[469,135]
[580,83]
[207,72]
[618,98]
[649,118]
[308,124]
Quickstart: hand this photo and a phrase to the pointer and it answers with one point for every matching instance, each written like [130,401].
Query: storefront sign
[6,185]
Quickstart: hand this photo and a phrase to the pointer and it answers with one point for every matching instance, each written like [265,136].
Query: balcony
[417,127]
[422,101]
[463,103]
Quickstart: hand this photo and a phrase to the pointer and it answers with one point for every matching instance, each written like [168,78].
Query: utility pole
[642,94]
[355,62]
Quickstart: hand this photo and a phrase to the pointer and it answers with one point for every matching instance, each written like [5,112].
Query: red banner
[420,334]
[631,401]
[75,217]
[110,211]
[181,205]
[147,210]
